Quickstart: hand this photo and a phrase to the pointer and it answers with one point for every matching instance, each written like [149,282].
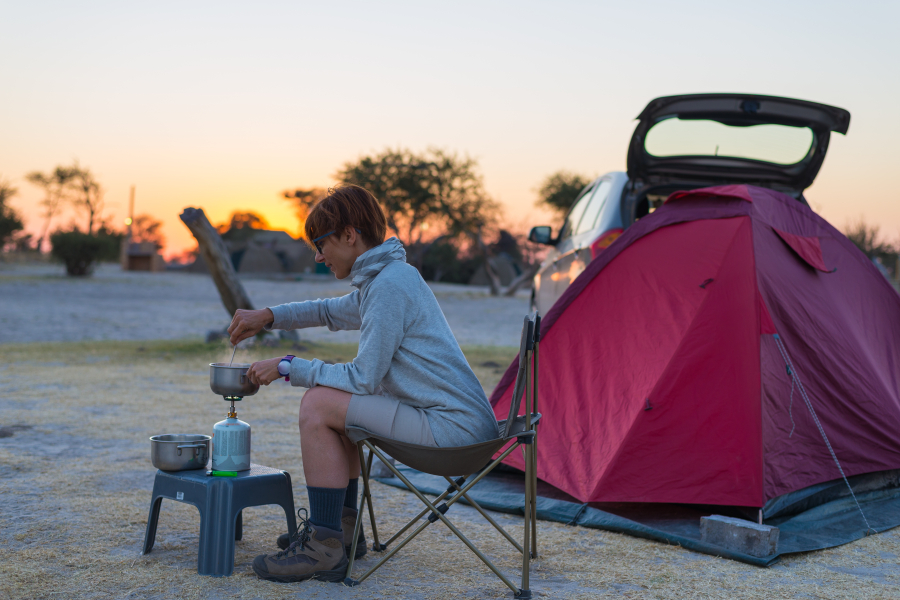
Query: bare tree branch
[54,185]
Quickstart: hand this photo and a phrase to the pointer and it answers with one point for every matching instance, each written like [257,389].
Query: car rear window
[777,144]
[575,213]
[598,199]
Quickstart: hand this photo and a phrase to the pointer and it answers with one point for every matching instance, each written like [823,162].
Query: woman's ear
[350,235]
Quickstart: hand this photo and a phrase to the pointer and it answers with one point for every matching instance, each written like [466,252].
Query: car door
[576,238]
[546,291]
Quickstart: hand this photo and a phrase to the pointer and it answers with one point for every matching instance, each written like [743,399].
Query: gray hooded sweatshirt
[406,348]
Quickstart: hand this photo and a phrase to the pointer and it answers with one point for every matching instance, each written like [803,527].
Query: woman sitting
[410,381]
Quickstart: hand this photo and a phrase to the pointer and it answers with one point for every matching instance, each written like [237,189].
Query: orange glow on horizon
[179,239]
[277,212]
[156,200]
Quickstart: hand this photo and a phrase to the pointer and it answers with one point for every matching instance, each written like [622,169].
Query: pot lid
[733,138]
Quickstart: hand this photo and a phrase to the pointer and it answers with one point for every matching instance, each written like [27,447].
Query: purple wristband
[287,358]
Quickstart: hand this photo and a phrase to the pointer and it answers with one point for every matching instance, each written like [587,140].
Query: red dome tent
[661,375]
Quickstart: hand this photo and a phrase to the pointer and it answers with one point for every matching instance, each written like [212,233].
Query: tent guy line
[796,378]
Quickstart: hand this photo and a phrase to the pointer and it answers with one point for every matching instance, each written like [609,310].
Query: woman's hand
[247,323]
[264,372]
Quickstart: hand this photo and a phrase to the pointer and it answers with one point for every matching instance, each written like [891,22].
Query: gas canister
[231,445]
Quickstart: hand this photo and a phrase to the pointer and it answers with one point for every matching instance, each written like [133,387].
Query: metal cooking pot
[179,451]
[231,380]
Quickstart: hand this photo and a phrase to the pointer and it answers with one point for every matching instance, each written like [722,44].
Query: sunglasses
[322,237]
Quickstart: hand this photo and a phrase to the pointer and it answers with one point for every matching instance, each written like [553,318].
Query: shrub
[79,251]
[112,243]
[443,261]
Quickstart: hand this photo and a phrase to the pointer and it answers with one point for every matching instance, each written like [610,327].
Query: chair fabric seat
[449,462]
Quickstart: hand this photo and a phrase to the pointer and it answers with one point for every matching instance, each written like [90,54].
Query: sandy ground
[77,479]
[40,304]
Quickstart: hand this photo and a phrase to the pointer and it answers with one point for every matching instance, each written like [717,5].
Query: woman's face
[340,251]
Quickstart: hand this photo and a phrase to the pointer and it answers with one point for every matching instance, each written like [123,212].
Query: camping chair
[469,461]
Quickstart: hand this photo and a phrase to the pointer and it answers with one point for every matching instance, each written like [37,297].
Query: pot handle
[243,378]
[191,446]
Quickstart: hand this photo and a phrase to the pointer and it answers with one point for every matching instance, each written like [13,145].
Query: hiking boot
[348,522]
[316,553]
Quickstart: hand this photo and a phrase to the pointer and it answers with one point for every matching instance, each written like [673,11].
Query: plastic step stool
[220,501]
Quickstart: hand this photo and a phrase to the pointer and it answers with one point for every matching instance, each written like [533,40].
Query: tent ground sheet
[818,517]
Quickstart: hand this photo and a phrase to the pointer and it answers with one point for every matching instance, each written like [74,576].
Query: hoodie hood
[371,262]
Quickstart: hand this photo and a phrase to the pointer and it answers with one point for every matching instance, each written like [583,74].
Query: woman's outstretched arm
[337,314]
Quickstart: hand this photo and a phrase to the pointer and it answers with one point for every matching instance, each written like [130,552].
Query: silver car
[681,143]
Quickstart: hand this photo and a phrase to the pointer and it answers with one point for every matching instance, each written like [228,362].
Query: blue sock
[325,506]
[352,495]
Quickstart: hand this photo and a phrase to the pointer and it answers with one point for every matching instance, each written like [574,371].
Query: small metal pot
[179,451]
[231,380]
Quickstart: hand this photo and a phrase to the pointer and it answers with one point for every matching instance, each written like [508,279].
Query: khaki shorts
[389,418]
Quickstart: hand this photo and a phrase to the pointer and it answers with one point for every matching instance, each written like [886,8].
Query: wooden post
[214,252]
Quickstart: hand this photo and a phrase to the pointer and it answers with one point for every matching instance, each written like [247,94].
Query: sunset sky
[222,105]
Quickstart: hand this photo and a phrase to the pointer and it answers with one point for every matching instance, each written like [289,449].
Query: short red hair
[347,206]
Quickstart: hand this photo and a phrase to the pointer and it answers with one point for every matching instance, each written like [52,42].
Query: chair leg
[526,555]
[367,495]
[440,515]
[437,513]
[367,499]
[487,517]
[415,519]
[534,551]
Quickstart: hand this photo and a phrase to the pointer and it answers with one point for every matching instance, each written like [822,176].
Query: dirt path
[41,304]
[74,423]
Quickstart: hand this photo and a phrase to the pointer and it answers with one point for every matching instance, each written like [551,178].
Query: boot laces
[299,539]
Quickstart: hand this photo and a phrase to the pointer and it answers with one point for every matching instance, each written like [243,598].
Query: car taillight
[603,242]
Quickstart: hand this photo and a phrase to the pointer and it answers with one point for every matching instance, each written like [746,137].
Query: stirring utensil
[232,354]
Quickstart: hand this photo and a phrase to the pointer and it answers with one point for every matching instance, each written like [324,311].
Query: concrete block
[739,535]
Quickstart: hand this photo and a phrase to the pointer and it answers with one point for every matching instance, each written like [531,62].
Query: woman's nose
[319,257]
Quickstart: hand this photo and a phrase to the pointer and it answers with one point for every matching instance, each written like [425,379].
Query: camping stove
[231,442]
[231,437]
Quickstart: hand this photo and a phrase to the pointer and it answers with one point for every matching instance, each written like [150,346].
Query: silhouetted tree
[303,201]
[242,225]
[86,193]
[54,185]
[446,261]
[559,191]
[147,229]
[427,197]
[10,222]
[23,243]
[866,237]
[247,220]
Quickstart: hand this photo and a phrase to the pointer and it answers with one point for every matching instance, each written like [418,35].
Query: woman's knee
[311,408]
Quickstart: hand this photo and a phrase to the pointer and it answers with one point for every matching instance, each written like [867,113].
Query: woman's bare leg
[330,459]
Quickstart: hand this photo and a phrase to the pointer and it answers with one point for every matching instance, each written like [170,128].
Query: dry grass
[76,490]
